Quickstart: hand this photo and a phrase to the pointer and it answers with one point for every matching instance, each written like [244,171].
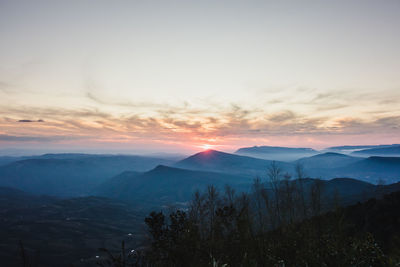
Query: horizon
[181,76]
[16,152]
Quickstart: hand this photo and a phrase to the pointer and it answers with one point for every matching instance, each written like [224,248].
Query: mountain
[65,232]
[276,153]
[67,176]
[216,161]
[11,198]
[327,160]
[349,149]
[381,151]
[334,165]
[374,168]
[340,191]
[166,185]
[173,186]
[4,160]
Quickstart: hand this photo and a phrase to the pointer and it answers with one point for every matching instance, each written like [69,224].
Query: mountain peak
[209,152]
[331,154]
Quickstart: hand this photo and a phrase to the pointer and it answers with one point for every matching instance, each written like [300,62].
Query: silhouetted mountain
[67,176]
[212,160]
[381,151]
[166,185]
[327,160]
[276,153]
[65,231]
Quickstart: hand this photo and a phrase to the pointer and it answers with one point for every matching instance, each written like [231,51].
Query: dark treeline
[282,222]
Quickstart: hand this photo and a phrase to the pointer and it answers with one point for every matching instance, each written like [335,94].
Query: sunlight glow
[207,146]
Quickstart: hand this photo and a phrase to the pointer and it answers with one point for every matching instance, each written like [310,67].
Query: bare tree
[288,198]
[274,175]
[211,204]
[301,175]
[316,193]
[229,196]
[257,189]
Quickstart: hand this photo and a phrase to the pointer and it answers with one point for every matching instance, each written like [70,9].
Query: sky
[181,76]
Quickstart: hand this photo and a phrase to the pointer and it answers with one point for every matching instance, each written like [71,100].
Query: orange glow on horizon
[207,146]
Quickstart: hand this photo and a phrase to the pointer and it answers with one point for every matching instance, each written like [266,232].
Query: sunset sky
[181,76]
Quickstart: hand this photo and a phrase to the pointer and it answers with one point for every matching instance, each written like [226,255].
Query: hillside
[380,151]
[327,160]
[374,168]
[64,231]
[276,153]
[70,175]
[166,185]
[216,161]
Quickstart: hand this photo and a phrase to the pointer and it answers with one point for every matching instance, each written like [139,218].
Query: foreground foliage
[282,226]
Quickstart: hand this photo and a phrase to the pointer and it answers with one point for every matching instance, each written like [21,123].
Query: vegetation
[279,224]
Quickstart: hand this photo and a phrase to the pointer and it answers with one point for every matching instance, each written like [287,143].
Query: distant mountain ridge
[327,160]
[71,176]
[276,153]
[379,151]
[372,169]
[217,161]
[274,149]
[360,147]
[166,185]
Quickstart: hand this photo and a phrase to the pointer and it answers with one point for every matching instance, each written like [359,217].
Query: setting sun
[207,146]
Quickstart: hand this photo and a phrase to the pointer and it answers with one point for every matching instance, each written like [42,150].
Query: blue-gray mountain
[328,160]
[380,151]
[72,175]
[167,185]
[216,161]
[276,153]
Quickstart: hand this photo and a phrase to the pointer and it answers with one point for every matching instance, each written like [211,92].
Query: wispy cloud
[40,120]
[14,138]
[187,124]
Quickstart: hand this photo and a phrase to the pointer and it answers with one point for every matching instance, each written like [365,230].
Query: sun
[207,146]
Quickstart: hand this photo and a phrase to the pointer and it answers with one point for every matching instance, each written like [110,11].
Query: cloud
[184,124]
[282,116]
[40,120]
[13,138]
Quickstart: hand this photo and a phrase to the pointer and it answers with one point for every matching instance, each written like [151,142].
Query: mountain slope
[166,185]
[216,161]
[349,149]
[381,151]
[65,232]
[327,160]
[276,153]
[70,176]
[374,168]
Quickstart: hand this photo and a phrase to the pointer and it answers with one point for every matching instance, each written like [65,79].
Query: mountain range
[218,161]
[393,150]
[70,174]
[72,204]
[276,153]
[167,185]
